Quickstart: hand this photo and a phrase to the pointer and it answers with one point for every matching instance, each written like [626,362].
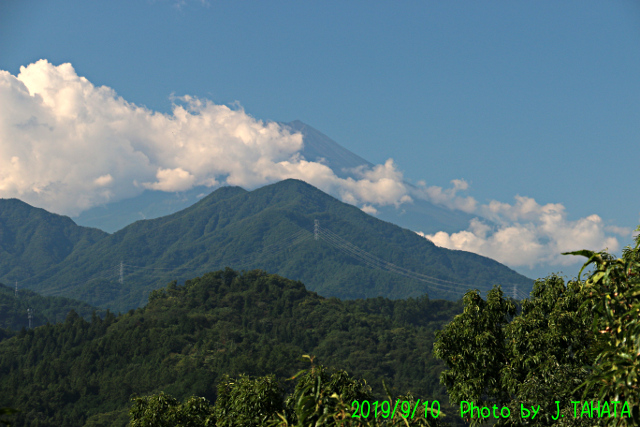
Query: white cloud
[104,180]
[67,145]
[621,231]
[448,197]
[381,185]
[530,234]
[170,180]
[369,209]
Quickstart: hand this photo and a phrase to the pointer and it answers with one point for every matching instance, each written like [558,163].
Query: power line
[121,273]
[274,248]
[375,262]
[371,261]
[380,263]
[333,239]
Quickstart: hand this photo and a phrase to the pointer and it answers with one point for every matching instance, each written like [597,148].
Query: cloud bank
[529,234]
[67,145]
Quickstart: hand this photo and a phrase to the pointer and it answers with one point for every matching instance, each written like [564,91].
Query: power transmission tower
[30,316]
[316,228]
[515,292]
[121,273]
[16,289]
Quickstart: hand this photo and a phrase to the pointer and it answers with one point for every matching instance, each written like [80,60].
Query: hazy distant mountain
[419,215]
[148,205]
[318,147]
[271,228]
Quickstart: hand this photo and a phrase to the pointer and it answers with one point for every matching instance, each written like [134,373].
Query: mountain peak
[350,255]
[318,147]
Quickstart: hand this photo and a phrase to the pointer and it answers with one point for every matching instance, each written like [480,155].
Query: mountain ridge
[34,239]
[270,228]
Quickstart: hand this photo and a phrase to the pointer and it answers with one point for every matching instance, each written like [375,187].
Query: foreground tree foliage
[162,410]
[614,296]
[512,359]
[573,342]
[4,413]
[247,402]
[321,397]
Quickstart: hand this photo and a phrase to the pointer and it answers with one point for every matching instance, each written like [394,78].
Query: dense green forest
[33,241]
[223,323]
[219,351]
[13,310]
[272,228]
[567,356]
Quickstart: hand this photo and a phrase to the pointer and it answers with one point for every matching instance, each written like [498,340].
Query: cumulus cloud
[104,180]
[171,180]
[369,209]
[529,234]
[381,185]
[67,145]
[447,197]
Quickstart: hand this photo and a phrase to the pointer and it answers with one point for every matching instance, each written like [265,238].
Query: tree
[246,402]
[162,410]
[321,398]
[614,296]
[6,412]
[496,356]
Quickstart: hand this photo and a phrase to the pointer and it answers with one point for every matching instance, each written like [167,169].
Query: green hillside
[34,241]
[189,336]
[271,228]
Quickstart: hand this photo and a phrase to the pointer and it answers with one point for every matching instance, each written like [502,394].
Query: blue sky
[537,99]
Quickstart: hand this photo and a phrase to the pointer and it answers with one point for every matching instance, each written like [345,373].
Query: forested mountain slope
[272,228]
[188,336]
[33,240]
[13,310]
